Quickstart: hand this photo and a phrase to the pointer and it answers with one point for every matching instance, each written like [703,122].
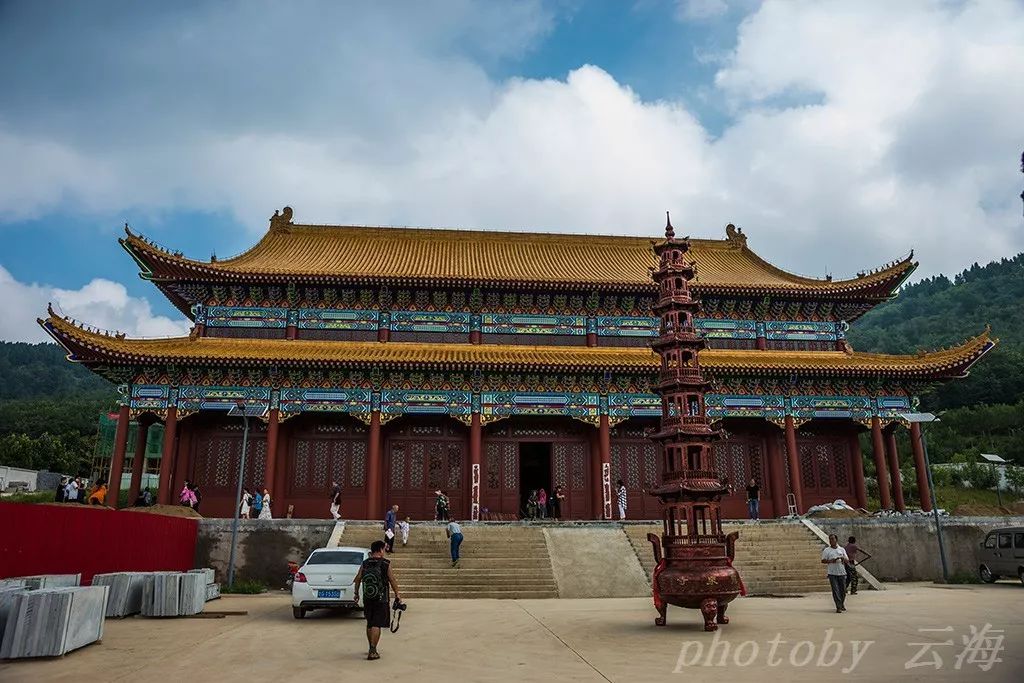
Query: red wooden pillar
[117,462]
[795,481]
[604,445]
[894,470]
[373,469]
[270,467]
[857,465]
[475,449]
[182,457]
[920,467]
[776,477]
[878,446]
[138,460]
[762,344]
[163,496]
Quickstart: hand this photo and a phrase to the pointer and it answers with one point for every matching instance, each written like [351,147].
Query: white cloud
[700,10]
[100,303]
[858,131]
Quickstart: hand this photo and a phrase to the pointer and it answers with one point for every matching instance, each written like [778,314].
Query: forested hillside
[49,409]
[983,413]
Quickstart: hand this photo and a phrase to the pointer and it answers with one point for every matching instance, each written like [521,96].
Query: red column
[795,483]
[373,468]
[474,337]
[604,446]
[762,344]
[270,466]
[776,477]
[138,460]
[167,457]
[591,339]
[117,462]
[857,465]
[894,470]
[920,467]
[878,446]
[182,457]
[475,448]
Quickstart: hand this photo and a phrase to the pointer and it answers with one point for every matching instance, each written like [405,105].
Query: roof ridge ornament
[735,235]
[670,232]
[281,220]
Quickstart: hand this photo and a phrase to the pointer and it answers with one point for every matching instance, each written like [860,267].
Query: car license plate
[328,594]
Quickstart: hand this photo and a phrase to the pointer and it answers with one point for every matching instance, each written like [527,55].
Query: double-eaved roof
[96,348]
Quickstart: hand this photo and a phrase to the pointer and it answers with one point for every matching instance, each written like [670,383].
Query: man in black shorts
[374,577]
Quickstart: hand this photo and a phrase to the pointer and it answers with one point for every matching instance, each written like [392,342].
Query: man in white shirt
[71,491]
[835,558]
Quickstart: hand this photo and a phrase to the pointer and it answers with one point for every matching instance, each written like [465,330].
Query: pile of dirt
[836,514]
[169,510]
[76,505]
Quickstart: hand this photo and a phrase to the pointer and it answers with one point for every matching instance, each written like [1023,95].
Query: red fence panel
[68,539]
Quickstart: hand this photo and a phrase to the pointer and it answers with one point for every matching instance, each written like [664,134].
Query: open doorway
[534,470]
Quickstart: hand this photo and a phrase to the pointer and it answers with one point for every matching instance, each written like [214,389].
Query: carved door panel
[636,463]
[499,480]
[421,459]
[570,468]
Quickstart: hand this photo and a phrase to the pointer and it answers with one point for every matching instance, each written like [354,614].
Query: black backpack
[375,579]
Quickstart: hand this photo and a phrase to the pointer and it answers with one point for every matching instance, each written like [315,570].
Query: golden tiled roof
[365,254]
[90,346]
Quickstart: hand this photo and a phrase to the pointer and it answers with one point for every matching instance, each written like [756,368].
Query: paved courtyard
[569,640]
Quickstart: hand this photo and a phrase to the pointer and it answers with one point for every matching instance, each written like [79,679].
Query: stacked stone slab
[50,622]
[125,592]
[49,580]
[7,595]
[174,594]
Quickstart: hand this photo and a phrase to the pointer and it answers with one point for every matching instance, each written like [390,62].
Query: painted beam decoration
[495,405]
[337,319]
[789,330]
[415,321]
[246,316]
[457,404]
[355,402]
[511,323]
[624,406]
[192,399]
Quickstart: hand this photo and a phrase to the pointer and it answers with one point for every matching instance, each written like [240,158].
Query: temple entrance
[534,470]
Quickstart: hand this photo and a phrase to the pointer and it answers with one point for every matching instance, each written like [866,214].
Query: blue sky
[839,135]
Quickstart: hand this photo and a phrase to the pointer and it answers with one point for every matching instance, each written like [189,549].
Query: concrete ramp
[335,540]
[596,562]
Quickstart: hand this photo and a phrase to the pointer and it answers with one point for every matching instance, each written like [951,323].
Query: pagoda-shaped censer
[694,558]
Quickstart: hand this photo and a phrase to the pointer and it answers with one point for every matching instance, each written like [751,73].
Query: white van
[1002,554]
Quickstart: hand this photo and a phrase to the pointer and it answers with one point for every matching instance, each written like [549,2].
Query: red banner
[72,539]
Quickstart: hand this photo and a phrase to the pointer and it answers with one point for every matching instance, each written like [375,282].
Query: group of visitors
[145,498]
[539,505]
[255,505]
[73,490]
[842,569]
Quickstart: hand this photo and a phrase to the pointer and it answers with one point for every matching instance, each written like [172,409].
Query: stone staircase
[773,558]
[497,561]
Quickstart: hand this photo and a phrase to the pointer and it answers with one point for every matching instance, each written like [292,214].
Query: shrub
[942,476]
[245,586]
[980,476]
[1015,479]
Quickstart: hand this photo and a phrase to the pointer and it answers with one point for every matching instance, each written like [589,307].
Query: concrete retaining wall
[908,550]
[595,563]
[264,546]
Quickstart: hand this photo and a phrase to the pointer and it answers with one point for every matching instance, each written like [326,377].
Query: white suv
[325,580]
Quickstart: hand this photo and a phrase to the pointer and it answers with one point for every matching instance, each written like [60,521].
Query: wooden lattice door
[499,480]
[569,460]
[215,455]
[635,461]
[421,459]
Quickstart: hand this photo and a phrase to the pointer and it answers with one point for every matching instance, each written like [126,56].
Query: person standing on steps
[257,504]
[336,501]
[245,504]
[835,558]
[403,526]
[753,500]
[454,533]
[542,503]
[265,510]
[621,495]
[390,519]
[440,506]
[374,577]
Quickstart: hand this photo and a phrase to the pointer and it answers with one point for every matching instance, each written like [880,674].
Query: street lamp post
[924,418]
[996,460]
[245,412]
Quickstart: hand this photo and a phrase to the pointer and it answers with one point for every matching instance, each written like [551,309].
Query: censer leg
[709,608]
[662,610]
[722,619]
